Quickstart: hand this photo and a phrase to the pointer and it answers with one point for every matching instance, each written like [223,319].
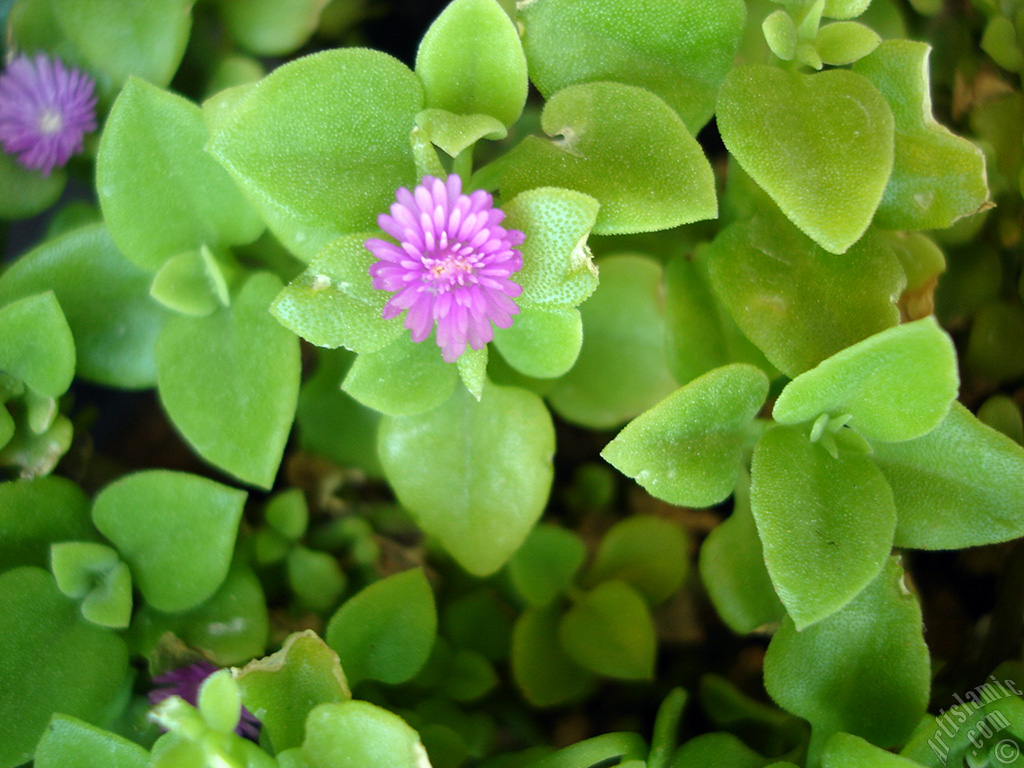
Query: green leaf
[25,193]
[798,303]
[387,630]
[961,485]
[648,553]
[937,177]
[230,382]
[282,689]
[402,379]
[621,370]
[606,749]
[472,367]
[315,578]
[479,621]
[454,133]
[664,735]
[844,42]
[288,514]
[895,385]
[716,750]
[558,268]
[191,283]
[845,9]
[471,62]
[355,733]
[52,661]
[219,702]
[864,670]
[106,301]
[36,345]
[826,523]
[94,574]
[142,512]
[995,348]
[1002,414]
[780,33]
[1000,41]
[35,513]
[334,304]
[475,475]
[146,39]
[623,146]
[69,742]
[680,51]
[820,145]
[321,144]
[542,343]
[545,565]
[610,631]
[161,194]
[687,449]
[845,751]
[545,674]
[268,27]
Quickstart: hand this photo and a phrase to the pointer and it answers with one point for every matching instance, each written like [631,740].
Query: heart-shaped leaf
[544,567]
[623,146]
[542,343]
[192,283]
[230,382]
[356,733]
[72,743]
[826,523]
[680,50]
[687,449]
[476,475]
[821,145]
[270,28]
[36,345]
[544,672]
[142,512]
[402,379]
[895,385]
[646,552]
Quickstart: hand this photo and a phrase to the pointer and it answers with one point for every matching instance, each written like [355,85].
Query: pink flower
[45,111]
[451,266]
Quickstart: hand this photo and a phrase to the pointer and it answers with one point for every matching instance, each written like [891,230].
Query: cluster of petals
[45,111]
[451,265]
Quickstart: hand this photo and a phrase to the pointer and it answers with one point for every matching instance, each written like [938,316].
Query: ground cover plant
[551,384]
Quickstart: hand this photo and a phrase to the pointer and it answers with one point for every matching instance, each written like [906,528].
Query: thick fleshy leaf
[94,574]
[621,748]
[542,343]
[161,193]
[609,631]
[72,743]
[281,689]
[192,283]
[680,51]
[716,750]
[646,552]
[895,385]
[864,670]
[453,133]
[334,304]
[386,631]
[53,661]
[476,475]
[623,146]
[142,512]
[621,370]
[106,301]
[544,567]
[826,523]
[471,62]
[544,672]
[479,621]
[36,345]
[25,193]
[356,734]
[821,145]
[230,382]
[797,302]
[845,751]
[268,27]
[844,9]
[402,379]
[961,485]
[844,42]
[321,144]
[687,449]
[937,177]
[35,513]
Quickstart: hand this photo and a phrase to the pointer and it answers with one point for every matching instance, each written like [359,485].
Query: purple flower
[45,111]
[185,682]
[451,266]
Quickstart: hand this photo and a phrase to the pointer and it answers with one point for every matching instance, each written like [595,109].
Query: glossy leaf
[230,382]
[35,513]
[646,552]
[826,523]
[820,145]
[84,669]
[356,734]
[797,302]
[687,449]
[69,742]
[282,689]
[402,379]
[471,62]
[680,51]
[895,385]
[545,565]
[937,177]
[270,28]
[864,670]
[142,512]
[161,193]
[542,670]
[609,631]
[621,370]
[36,345]
[476,475]
[623,146]
[386,631]
[961,485]
[105,299]
[326,123]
